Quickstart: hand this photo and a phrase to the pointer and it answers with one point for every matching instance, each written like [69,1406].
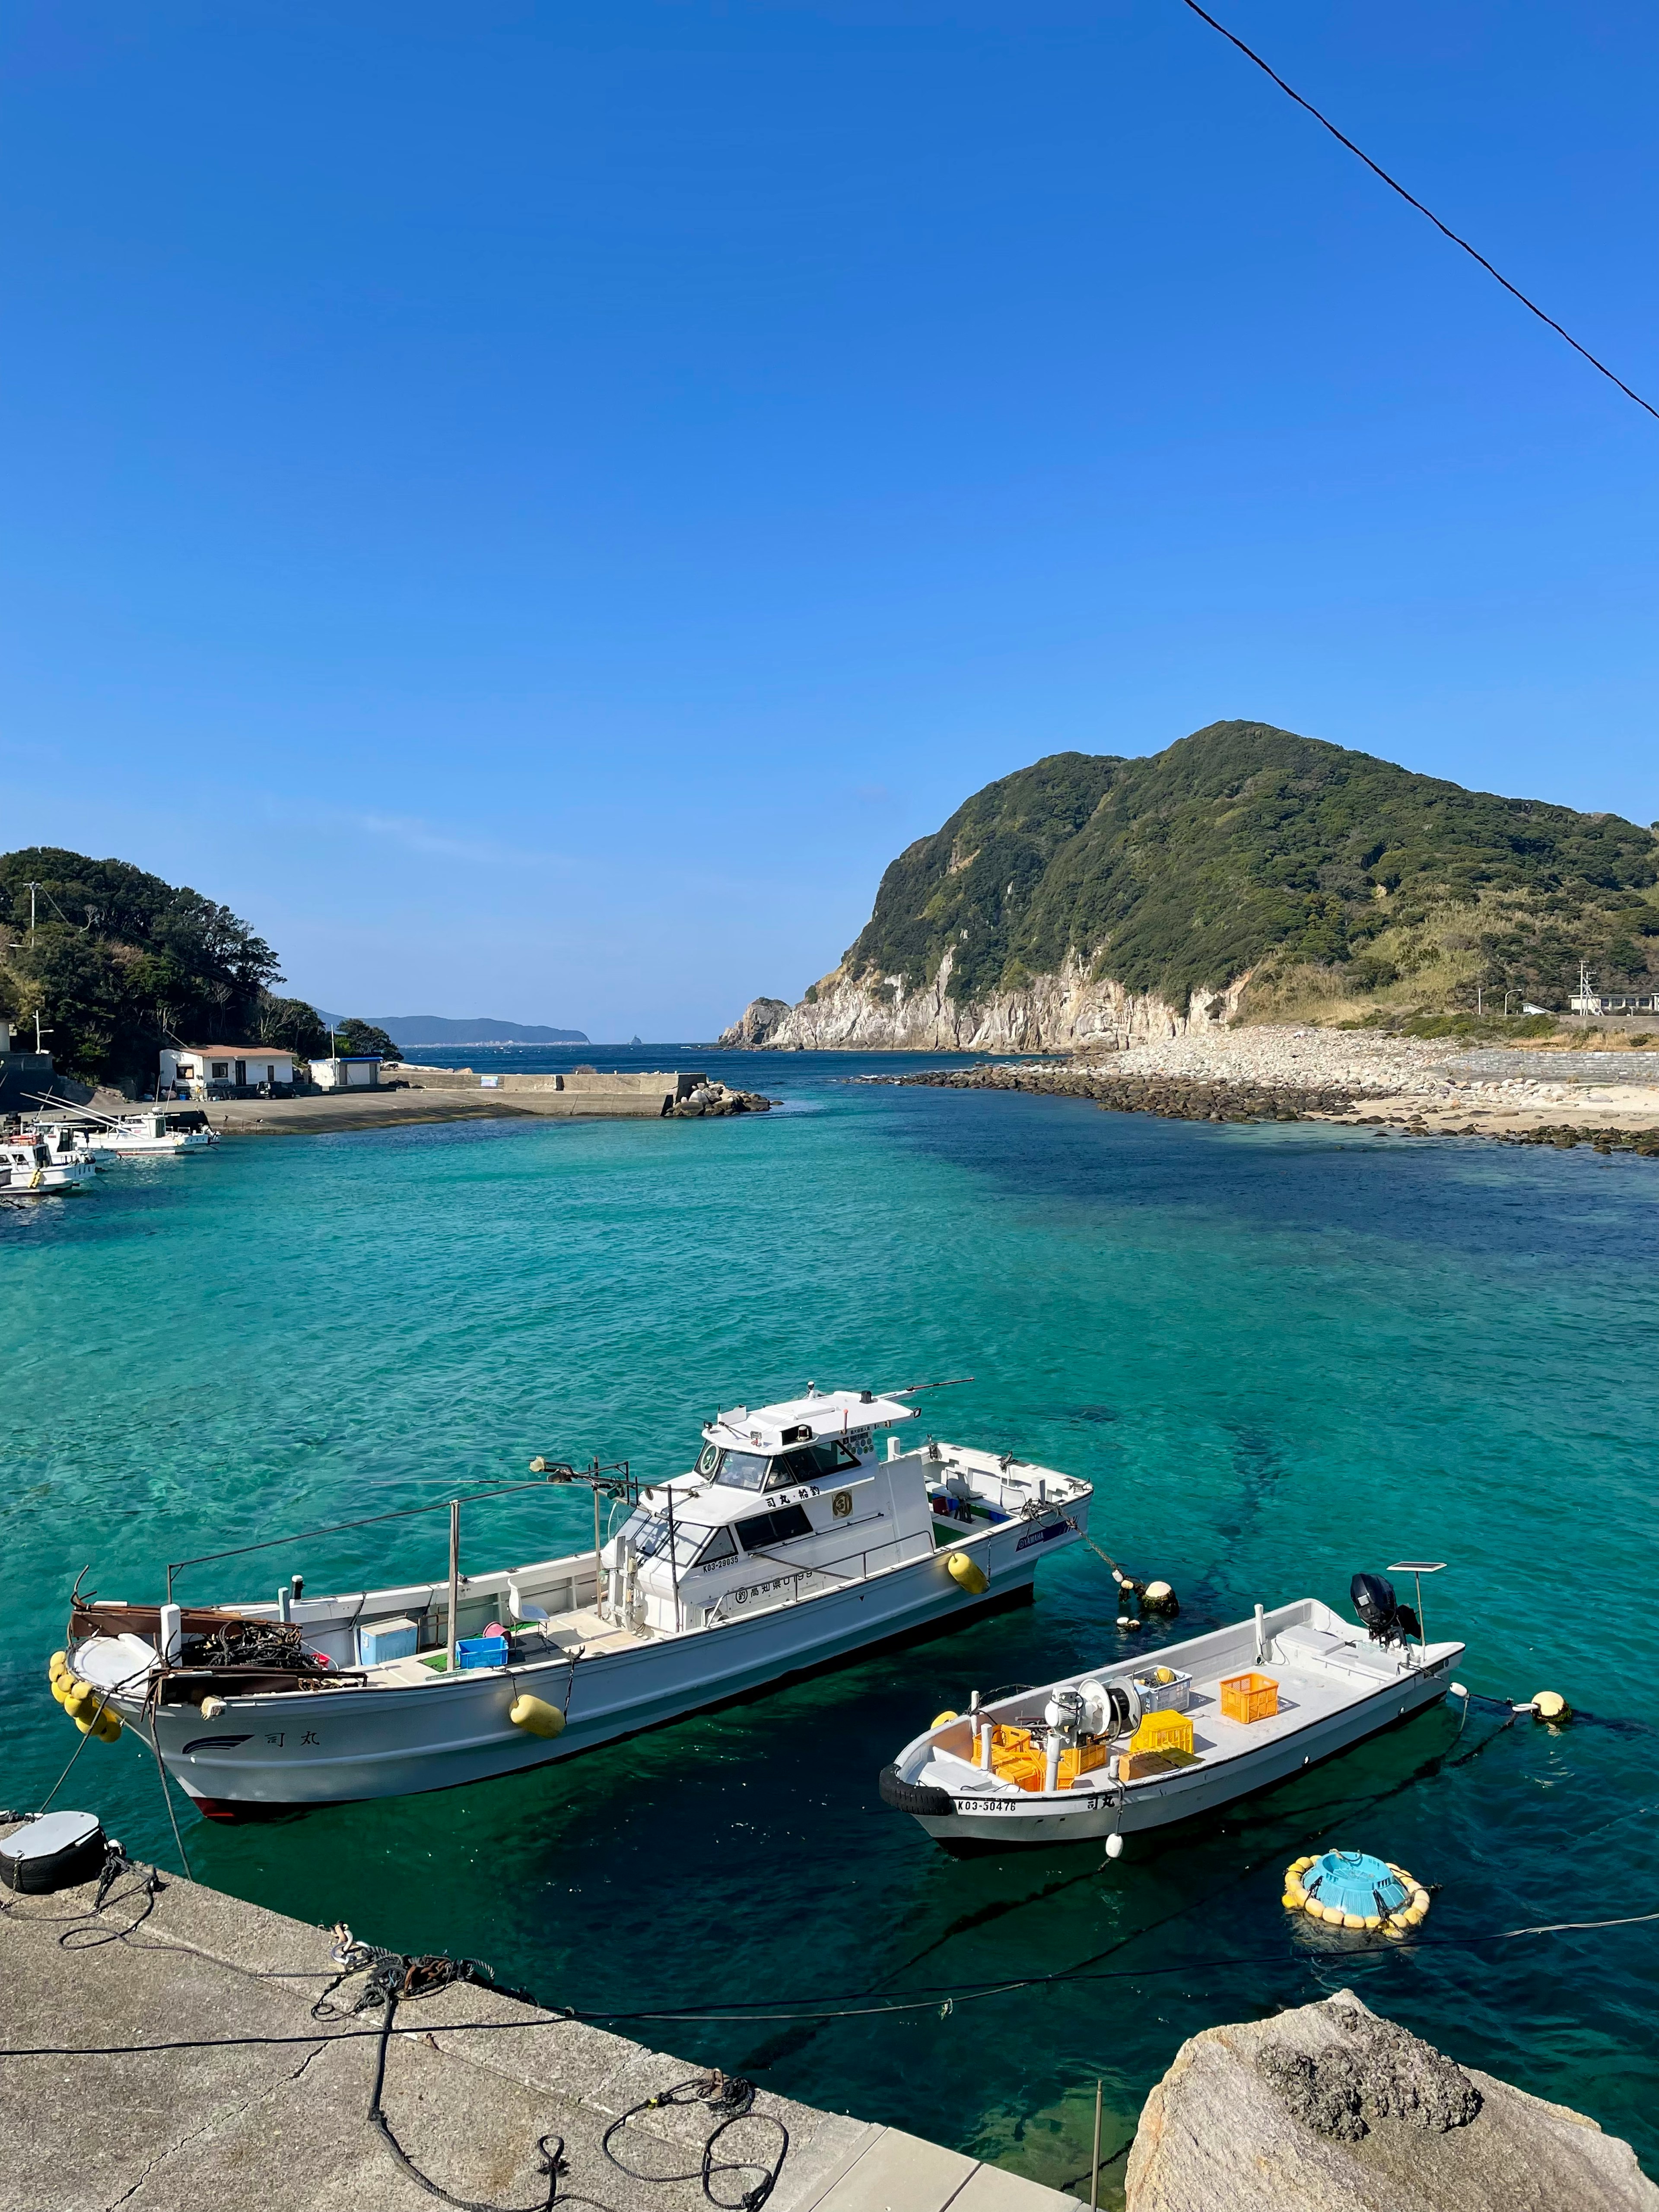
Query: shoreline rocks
[1332,2108]
[714,1098]
[1405,1085]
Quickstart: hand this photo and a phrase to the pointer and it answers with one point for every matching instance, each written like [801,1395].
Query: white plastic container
[380,1640]
[1164,1697]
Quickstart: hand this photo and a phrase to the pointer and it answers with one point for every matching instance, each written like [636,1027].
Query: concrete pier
[474,2082]
[456,1094]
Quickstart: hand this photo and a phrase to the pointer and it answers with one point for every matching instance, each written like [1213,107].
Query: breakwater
[1172,1097]
[1185,1098]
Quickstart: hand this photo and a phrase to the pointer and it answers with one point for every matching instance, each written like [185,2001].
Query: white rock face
[1331,2109]
[1051,1013]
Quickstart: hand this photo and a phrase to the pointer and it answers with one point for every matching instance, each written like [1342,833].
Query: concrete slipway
[284,2125]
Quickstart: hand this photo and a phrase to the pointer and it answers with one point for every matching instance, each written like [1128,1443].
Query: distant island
[417,1029]
[1244,874]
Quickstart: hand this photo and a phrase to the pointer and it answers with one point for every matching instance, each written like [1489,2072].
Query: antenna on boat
[911,1389]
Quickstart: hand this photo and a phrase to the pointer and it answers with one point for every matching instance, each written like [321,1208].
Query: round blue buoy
[1351,1889]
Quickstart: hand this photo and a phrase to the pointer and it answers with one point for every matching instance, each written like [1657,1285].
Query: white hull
[49,1182]
[338,1745]
[1329,1704]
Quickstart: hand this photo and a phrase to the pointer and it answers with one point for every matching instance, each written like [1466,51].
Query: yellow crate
[1163,1731]
[1249,1697]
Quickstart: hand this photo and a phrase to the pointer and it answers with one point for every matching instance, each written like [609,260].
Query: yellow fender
[967,1574]
[939,1720]
[535,1716]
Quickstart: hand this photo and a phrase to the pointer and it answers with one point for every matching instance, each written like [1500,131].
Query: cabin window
[744,1470]
[648,1534]
[782,1526]
[719,1547]
[810,1461]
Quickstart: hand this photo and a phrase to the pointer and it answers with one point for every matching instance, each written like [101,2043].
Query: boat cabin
[784,1500]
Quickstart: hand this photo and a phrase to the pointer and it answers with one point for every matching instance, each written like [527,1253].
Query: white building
[1614,1002]
[197,1069]
[351,1072]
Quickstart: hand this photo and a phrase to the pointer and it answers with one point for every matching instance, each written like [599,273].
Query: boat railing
[797,1575]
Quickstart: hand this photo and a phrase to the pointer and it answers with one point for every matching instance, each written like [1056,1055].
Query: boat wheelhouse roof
[800,1420]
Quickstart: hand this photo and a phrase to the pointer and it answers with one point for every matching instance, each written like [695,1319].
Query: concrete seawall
[474,2083]
[457,1093]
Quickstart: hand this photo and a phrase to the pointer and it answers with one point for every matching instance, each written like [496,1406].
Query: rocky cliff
[1089,899]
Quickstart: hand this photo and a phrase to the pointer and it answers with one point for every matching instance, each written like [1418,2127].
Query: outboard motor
[1380,1610]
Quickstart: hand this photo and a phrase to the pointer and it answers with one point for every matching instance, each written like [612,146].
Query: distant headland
[414,1030]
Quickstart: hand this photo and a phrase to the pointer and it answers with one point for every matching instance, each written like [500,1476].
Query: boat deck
[1318,1674]
[582,1632]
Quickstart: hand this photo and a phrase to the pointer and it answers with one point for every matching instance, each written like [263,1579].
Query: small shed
[348,1072]
[204,1071]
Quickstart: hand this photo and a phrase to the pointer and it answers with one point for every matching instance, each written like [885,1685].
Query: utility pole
[1480,1002]
[1584,981]
[32,889]
[39,1031]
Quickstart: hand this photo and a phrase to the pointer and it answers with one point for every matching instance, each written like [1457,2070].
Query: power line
[1395,186]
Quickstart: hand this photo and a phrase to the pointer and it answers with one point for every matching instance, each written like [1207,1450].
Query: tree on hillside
[116,961]
[362,1038]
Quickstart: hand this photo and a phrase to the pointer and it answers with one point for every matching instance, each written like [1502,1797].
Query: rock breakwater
[1297,1075]
[1172,1097]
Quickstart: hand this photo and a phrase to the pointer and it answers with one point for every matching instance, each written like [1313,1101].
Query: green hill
[1248,848]
[117,961]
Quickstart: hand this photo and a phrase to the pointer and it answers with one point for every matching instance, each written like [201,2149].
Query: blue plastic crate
[481,1652]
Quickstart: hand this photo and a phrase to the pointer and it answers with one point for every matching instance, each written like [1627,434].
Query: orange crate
[1249,1697]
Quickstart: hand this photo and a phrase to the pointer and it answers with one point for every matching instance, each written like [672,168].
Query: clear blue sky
[535,505]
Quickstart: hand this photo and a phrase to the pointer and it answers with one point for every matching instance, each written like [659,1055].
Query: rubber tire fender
[912,1796]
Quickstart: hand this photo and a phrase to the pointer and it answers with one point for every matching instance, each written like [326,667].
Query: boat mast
[454,1579]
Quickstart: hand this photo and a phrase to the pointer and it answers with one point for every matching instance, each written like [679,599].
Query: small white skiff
[1057,1765]
[796,1541]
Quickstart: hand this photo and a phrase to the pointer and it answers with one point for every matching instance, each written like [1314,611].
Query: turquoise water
[1281,1353]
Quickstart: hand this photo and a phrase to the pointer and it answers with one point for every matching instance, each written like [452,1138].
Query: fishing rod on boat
[910,1389]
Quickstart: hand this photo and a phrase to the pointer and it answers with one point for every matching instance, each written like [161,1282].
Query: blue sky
[535,505]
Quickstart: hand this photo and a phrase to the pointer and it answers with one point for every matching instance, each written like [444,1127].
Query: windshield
[648,1534]
[742,1470]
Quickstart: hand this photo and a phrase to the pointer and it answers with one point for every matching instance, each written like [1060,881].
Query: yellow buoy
[58,1664]
[109,1727]
[59,1687]
[1551,1706]
[939,1720]
[535,1716]
[967,1574]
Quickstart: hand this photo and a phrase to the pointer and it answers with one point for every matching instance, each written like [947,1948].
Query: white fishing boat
[30,1168]
[154,1133]
[1119,1749]
[805,1532]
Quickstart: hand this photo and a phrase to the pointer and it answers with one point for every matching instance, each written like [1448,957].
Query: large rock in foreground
[1332,2109]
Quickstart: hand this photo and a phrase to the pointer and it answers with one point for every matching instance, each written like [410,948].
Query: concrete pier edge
[285,2125]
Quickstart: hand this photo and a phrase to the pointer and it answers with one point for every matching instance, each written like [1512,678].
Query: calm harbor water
[1281,1354]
